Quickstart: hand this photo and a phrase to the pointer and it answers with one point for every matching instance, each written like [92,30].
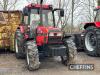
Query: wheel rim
[27,58]
[90,41]
[16,45]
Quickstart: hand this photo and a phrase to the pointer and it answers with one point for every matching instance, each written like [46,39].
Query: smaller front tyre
[32,56]
[65,59]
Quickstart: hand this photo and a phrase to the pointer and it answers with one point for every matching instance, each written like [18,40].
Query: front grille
[54,40]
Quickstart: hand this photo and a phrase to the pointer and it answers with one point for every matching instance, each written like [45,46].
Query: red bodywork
[38,6]
[22,30]
[42,34]
[96,24]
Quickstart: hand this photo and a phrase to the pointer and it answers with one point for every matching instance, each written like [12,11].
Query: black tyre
[65,59]
[19,45]
[32,57]
[71,51]
[91,40]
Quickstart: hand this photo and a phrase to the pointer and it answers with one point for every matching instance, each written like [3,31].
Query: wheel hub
[92,40]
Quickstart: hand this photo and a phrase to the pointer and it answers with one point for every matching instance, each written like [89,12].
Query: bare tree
[72,15]
[8,4]
[82,9]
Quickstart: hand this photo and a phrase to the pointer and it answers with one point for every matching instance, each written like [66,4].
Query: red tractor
[38,37]
[92,35]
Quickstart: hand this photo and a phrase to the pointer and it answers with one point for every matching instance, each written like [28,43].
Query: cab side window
[26,20]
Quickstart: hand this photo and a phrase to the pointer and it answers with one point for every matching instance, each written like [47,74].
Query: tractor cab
[42,15]
[31,15]
[41,20]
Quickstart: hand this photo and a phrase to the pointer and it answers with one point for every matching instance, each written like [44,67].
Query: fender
[96,24]
[22,28]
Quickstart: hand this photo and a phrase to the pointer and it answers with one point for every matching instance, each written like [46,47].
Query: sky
[21,4]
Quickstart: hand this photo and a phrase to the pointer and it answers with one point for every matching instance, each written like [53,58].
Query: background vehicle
[9,21]
[92,35]
[37,36]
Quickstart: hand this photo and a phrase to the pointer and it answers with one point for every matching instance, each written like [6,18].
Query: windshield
[35,17]
[98,15]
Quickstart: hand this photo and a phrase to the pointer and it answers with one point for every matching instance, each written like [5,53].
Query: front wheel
[32,57]
[71,52]
[65,59]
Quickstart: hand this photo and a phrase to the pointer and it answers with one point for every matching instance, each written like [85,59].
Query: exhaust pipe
[41,15]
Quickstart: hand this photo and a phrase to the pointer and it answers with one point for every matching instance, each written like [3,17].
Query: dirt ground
[9,65]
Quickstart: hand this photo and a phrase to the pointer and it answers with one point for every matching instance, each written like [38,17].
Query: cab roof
[37,6]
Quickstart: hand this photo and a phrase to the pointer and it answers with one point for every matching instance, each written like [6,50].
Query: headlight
[51,34]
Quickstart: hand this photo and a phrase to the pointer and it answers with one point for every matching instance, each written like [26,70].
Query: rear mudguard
[22,29]
[96,24]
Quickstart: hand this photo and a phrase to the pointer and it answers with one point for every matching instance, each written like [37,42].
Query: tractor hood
[44,29]
[53,29]
[43,33]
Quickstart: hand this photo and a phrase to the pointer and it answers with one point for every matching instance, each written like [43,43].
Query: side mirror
[95,9]
[62,13]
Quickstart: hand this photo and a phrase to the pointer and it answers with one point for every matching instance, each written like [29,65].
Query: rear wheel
[91,40]
[32,57]
[19,44]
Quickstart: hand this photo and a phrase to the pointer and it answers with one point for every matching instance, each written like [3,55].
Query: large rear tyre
[19,45]
[32,56]
[92,41]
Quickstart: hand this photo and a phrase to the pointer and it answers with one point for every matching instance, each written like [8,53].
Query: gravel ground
[9,65]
